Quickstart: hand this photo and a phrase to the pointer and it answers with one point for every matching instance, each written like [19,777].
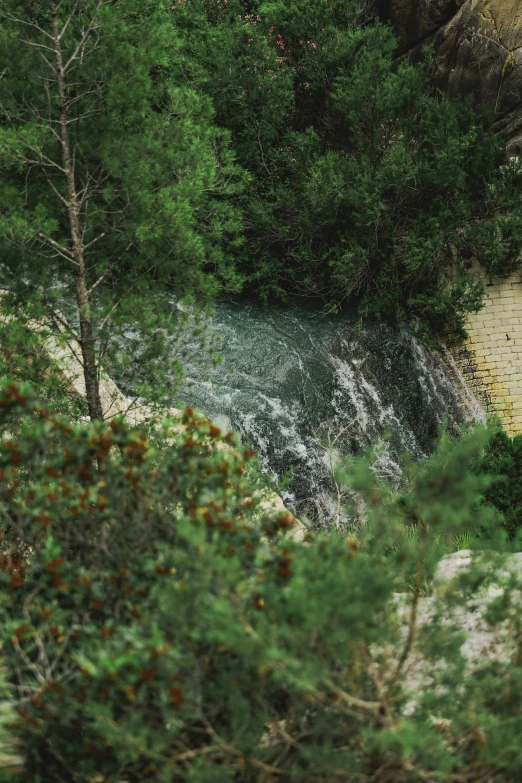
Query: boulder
[478,51]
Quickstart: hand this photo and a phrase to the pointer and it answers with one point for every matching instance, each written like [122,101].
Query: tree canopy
[211,146]
[367,185]
[158,623]
[115,178]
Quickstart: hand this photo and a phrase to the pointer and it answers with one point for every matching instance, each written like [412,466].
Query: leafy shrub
[158,626]
[122,540]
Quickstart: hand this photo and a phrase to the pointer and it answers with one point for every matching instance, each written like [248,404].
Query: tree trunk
[87,341]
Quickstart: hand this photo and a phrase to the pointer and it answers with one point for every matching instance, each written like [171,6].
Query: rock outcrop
[484,640]
[478,51]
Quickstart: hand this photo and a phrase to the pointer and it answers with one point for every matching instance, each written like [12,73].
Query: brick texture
[491,358]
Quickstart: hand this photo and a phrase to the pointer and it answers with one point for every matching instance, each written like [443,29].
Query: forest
[158,621]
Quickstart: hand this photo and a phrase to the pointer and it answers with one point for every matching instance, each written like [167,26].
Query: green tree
[115,181]
[366,183]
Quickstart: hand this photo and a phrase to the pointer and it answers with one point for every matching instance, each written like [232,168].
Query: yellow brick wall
[491,358]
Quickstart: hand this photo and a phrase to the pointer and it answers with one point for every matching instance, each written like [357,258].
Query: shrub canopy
[158,625]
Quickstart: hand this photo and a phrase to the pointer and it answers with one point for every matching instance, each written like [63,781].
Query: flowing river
[300,386]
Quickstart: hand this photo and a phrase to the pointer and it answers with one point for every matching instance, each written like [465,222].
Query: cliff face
[478,51]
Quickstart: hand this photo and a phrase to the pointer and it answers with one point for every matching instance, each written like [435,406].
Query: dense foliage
[115,182]
[365,182]
[158,625]
[225,145]
[157,621]
[503,457]
[152,167]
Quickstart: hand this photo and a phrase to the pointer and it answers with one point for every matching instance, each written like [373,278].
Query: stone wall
[491,358]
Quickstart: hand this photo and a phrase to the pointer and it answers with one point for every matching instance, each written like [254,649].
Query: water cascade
[300,387]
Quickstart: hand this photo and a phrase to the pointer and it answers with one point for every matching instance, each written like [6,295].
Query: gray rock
[478,51]
[452,565]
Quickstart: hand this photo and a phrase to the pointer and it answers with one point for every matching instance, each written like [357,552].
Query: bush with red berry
[158,626]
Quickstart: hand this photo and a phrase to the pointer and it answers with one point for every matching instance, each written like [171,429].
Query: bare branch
[35,45]
[42,655]
[113,308]
[54,188]
[62,251]
[94,91]
[60,654]
[28,661]
[86,190]
[114,263]
[84,38]
[17,20]
[42,160]
[93,242]
[352,701]
[412,626]
[68,20]
[84,116]
[65,326]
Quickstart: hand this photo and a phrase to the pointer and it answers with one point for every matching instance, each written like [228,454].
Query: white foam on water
[349,382]
[371,415]
[292,382]
[471,403]
[444,381]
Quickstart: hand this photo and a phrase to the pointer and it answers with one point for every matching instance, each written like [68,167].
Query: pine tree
[113,175]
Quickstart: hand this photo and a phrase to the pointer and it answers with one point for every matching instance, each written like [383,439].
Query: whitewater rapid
[301,387]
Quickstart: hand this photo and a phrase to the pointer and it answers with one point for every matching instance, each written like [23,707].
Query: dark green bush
[365,183]
[504,457]
[158,625]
